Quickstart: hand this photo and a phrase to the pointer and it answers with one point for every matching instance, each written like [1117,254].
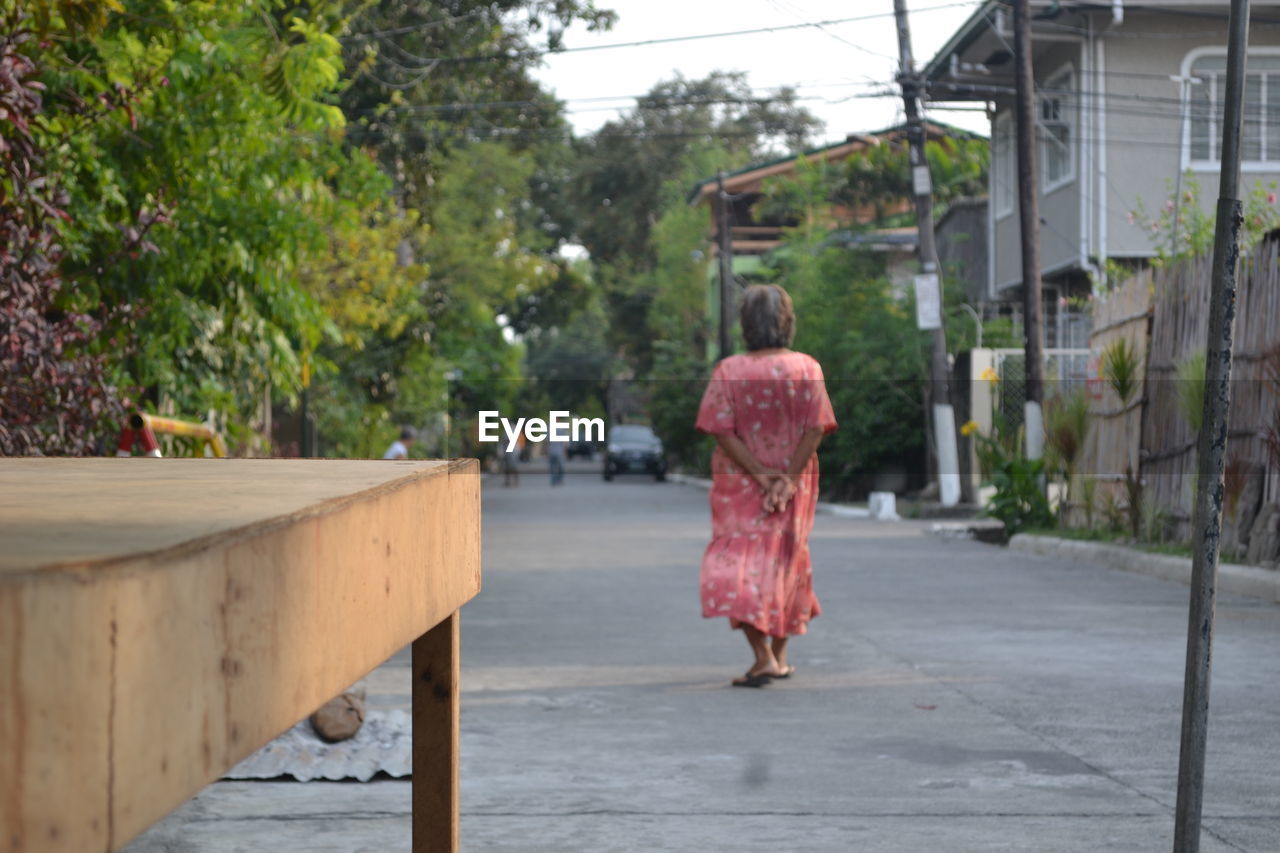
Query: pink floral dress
[756,569]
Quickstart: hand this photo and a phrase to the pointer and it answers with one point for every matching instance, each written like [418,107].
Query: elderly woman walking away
[768,410]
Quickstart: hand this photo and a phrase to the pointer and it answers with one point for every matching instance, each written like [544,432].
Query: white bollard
[883,506]
[1034,419]
[944,428]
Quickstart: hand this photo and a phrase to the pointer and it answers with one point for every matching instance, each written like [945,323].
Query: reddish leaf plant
[55,394]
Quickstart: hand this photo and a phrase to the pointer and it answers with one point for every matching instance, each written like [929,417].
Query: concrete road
[952,697]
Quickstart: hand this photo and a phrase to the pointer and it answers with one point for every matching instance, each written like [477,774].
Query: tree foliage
[221,204]
[879,178]
[222,167]
[862,331]
[681,129]
[252,198]
[442,95]
[56,393]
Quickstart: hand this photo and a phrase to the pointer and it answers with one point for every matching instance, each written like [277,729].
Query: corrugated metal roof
[383,745]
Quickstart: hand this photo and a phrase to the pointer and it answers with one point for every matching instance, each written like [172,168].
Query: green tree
[56,396]
[372,365]
[677,319]
[428,77]
[713,123]
[443,96]
[572,362]
[880,177]
[260,186]
[862,332]
[226,145]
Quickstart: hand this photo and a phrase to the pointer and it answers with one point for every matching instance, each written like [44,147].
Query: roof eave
[706,187]
[702,187]
[961,40]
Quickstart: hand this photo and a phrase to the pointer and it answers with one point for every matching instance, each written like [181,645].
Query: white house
[1129,104]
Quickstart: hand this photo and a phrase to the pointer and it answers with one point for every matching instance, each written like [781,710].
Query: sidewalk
[953,696]
[1233,578]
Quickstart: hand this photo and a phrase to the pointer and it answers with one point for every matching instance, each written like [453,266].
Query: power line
[535,53]
[412,28]
[992,90]
[1142,75]
[1187,35]
[998,89]
[537,107]
[649,102]
[1135,103]
[795,14]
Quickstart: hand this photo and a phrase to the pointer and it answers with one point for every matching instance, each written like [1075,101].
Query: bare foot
[778,646]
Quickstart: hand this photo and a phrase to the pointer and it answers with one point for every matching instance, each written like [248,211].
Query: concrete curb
[686,480]
[846,511]
[838,510]
[1240,580]
[980,529]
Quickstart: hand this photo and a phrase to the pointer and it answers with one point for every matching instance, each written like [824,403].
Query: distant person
[555,458]
[510,458]
[768,410]
[399,448]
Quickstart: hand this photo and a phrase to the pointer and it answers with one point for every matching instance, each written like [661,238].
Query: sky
[843,72]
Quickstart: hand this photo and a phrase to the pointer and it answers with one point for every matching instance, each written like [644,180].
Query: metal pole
[724,237]
[928,285]
[1029,219]
[186,429]
[1206,520]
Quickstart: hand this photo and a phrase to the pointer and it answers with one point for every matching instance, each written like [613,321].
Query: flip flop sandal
[749,680]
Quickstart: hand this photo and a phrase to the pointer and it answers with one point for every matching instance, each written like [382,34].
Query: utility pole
[928,283]
[724,237]
[1206,517]
[1029,217]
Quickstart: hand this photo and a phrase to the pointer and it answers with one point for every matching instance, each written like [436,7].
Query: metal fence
[1064,371]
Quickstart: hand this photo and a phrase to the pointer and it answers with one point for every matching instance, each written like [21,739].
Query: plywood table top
[86,512]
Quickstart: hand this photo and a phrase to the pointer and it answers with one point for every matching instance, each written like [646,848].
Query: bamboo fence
[1164,314]
[1179,330]
[1112,445]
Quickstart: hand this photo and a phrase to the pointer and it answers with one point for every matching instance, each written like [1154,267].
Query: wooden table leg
[435,739]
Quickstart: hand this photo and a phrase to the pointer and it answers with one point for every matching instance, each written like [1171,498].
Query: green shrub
[1019,501]
[1120,363]
[1191,389]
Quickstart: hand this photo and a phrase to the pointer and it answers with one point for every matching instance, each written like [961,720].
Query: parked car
[633,447]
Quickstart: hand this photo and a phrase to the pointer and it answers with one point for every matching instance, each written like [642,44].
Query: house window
[1055,120]
[1260,139]
[1004,162]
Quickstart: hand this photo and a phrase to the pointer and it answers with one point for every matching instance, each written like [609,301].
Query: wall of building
[961,237]
[1144,123]
[1060,227]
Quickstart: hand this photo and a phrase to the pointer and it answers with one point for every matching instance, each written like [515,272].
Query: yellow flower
[989,374]
[969,428]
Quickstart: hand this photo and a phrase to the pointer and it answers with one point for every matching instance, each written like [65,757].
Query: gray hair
[767,316]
